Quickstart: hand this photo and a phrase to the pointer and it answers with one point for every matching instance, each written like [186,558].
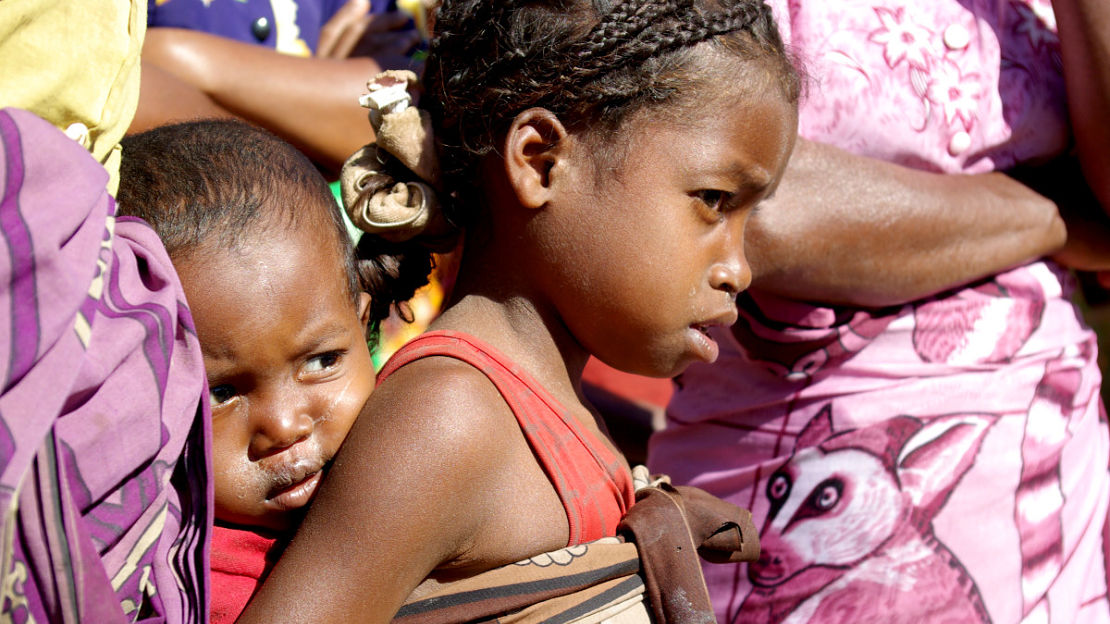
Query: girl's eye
[323,361]
[716,201]
[218,395]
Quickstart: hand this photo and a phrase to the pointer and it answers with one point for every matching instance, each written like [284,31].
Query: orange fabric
[595,488]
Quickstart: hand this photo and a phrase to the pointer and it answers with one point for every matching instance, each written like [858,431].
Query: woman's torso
[944,459]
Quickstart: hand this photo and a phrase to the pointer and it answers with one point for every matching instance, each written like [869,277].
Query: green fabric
[351,228]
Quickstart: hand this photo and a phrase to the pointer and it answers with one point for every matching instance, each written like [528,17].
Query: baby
[282,317]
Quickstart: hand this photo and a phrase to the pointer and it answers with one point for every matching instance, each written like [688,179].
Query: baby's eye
[714,199]
[218,395]
[323,361]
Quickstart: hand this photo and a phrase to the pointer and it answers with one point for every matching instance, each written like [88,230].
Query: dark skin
[287,365]
[884,234]
[309,101]
[1084,27]
[448,483]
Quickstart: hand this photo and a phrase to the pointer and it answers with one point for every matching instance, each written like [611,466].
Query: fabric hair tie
[389,186]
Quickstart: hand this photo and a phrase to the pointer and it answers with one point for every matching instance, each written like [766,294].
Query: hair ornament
[389,186]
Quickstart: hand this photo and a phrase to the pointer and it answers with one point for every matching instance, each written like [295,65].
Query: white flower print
[957,93]
[902,39]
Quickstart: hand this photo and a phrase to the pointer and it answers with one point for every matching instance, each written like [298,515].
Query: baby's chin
[271,516]
[270,525]
[280,495]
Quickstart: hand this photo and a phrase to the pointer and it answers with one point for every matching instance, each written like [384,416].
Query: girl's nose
[277,425]
[731,276]
[732,273]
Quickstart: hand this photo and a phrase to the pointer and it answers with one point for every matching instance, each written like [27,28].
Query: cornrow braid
[647,33]
[591,62]
[626,23]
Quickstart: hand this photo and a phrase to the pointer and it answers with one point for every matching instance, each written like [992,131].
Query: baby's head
[274,289]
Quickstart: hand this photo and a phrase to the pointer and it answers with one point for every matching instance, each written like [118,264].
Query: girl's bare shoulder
[439,392]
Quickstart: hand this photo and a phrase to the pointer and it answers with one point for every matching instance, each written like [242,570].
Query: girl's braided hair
[591,62]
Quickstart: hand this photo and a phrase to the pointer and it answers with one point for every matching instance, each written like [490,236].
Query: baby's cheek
[240,492]
[342,411]
[231,462]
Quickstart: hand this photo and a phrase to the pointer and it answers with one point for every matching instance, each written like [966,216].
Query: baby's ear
[364,308]
[535,145]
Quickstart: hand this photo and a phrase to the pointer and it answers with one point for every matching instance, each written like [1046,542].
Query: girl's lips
[705,347]
[297,495]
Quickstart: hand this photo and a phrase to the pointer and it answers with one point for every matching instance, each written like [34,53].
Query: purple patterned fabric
[104,475]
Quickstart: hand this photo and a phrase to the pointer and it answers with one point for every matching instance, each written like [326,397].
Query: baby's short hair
[217,181]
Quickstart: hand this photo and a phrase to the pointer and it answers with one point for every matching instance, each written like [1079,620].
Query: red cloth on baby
[241,559]
[592,483]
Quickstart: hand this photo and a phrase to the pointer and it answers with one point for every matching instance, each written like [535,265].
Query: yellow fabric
[75,61]
[288,37]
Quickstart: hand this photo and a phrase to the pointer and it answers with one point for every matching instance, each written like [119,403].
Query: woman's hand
[354,31]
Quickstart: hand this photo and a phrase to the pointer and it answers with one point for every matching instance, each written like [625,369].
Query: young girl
[281,311]
[603,158]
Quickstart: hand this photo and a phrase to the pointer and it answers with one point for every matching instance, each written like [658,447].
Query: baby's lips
[298,494]
[290,475]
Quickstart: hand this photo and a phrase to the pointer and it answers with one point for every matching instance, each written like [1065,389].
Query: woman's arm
[311,102]
[1084,28]
[852,230]
[164,98]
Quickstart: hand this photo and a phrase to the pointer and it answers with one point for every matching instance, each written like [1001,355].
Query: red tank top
[593,485]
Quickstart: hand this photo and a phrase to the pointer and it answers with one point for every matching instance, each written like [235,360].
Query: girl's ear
[535,145]
[364,308]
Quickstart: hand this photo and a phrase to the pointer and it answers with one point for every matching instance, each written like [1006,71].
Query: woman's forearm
[164,98]
[846,229]
[311,102]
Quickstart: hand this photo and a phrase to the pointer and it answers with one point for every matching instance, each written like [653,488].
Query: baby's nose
[279,425]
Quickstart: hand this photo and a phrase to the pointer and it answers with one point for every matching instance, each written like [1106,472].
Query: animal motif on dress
[849,537]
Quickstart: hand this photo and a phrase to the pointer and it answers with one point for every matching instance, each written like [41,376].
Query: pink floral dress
[942,461]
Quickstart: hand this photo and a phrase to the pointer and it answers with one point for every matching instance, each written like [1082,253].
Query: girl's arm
[311,102]
[1084,27]
[421,480]
[852,230]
